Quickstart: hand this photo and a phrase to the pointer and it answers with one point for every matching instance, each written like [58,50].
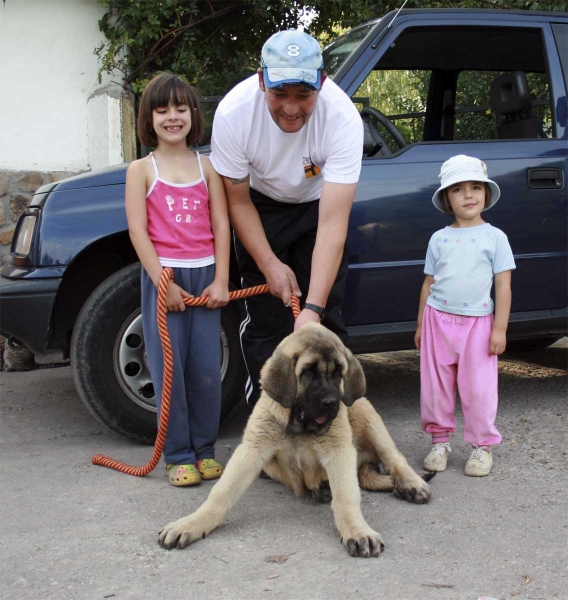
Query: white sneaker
[438,457]
[479,463]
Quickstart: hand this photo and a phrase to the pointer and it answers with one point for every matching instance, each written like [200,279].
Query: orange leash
[167,275]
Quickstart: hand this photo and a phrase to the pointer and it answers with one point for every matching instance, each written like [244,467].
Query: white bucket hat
[464,168]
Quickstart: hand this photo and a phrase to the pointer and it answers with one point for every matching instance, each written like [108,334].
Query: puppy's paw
[364,544]
[323,493]
[413,488]
[179,534]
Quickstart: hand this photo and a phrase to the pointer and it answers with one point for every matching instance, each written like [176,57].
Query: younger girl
[458,337]
[177,217]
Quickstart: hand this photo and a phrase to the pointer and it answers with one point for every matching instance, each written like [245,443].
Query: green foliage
[216,43]
[213,43]
[190,38]
[398,93]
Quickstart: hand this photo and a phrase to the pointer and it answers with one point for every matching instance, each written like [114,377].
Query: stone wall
[16,191]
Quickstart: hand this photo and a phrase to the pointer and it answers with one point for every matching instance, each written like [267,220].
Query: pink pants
[454,355]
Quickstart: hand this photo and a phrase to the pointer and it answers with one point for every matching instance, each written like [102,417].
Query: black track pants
[291,232]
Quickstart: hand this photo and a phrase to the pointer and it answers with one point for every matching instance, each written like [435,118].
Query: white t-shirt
[288,167]
[463,262]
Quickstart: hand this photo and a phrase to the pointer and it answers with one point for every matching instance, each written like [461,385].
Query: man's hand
[281,281]
[306,316]
[175,296]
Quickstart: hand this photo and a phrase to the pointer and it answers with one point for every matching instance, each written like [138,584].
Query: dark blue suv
[429,84]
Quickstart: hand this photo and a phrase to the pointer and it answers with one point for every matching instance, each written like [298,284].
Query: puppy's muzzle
[323,404]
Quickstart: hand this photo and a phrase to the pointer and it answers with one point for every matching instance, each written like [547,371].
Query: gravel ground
[75,531]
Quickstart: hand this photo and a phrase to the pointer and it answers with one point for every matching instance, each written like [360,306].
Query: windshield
[338,51]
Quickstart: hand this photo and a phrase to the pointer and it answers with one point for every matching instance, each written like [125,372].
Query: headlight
[25,235]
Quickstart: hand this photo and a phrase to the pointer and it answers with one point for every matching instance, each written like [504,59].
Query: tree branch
[157,49]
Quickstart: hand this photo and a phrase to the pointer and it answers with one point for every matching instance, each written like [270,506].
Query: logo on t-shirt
[310,169]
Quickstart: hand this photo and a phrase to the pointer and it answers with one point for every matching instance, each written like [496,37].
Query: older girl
[177,217]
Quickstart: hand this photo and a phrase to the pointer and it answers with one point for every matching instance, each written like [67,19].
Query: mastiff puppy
[311,430]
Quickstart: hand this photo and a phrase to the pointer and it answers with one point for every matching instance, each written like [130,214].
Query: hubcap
[131,365]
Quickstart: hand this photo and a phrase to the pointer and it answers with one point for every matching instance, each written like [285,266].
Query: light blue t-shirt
[463,262]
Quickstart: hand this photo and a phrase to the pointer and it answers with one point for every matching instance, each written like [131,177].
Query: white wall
[48,72]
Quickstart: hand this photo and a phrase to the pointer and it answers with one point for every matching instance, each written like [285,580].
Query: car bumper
[30,326]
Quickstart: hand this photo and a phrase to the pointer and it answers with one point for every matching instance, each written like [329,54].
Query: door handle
[541,179]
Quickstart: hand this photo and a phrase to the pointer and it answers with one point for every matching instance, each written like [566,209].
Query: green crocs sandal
[181,475]
[209,468]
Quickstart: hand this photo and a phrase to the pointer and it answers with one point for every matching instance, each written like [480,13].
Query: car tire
[109,367]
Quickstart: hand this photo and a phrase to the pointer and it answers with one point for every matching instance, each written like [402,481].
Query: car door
[432,74]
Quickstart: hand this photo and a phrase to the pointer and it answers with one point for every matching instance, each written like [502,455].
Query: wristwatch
[317,309]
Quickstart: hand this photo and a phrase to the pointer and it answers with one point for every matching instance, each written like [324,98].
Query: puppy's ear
[278,378]
[354,384]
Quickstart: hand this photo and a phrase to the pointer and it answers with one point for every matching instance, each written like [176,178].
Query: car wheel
[109,359]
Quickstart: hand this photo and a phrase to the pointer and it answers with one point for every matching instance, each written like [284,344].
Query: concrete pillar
[111,128]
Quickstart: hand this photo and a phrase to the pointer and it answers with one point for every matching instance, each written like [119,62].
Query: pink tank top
[179,222]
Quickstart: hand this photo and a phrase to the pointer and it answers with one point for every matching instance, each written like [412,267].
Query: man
[288,143]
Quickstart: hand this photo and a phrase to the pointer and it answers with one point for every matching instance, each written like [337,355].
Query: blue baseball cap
[289,57]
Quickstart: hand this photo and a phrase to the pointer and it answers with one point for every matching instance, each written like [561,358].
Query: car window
[561,39]
[477,119]
[336,53]
[465,83]
[402,96]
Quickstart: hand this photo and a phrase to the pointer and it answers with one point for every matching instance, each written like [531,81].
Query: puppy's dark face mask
[320,390]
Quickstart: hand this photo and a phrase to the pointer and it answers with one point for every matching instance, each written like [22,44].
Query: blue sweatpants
[196,389]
